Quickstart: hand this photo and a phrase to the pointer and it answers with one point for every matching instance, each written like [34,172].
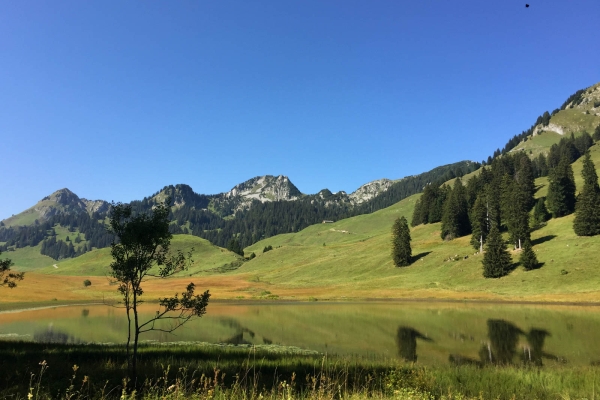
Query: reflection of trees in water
[238,337]
[54,336]
[406,340]
[502,346]
[534,352]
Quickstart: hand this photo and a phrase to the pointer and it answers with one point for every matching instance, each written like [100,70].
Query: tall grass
[53,371]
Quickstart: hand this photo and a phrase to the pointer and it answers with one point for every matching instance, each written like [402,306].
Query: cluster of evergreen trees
[501,198]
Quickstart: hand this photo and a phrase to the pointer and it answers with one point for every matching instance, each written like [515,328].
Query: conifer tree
[479,222]
[515,206]
[540,214]
[455,220]
[587,209]
[401,251]
[528,259]
[496,259]
[525,179]
[417,218]
[596,135]
[561,189]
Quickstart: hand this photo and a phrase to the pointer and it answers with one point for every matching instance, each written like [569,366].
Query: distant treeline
[91,227]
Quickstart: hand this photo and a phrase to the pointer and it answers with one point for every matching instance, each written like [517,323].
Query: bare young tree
[141,250]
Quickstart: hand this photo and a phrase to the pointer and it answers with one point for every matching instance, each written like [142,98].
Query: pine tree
[540,214]
[401,251]
[525,179]
[561,189]
[587,209]
[528,259]
[417,218]
[496,259]
[479,222]
[515,206]
[455,220]
[596,135]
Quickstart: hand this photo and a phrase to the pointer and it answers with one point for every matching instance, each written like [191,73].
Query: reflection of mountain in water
[406,340]
[54,336]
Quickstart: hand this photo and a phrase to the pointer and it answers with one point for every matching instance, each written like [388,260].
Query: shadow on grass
[538,266]
[543,239]
[420,255]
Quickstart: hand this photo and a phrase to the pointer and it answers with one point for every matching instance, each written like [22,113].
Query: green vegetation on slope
[96,263]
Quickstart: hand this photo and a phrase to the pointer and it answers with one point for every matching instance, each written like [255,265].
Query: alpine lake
[427,333]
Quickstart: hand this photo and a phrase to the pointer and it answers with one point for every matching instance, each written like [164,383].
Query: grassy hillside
[206,256]
[30,259]
[351,259]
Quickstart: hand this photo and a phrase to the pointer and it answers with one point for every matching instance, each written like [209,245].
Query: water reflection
[428,334]
[502,346]
[406,340]
[50,335]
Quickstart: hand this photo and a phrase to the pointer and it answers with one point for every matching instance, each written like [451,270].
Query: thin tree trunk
[481,244]
[128,335]
[135,339]
[520,244]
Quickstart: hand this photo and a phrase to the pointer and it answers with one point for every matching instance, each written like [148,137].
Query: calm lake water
[428,333]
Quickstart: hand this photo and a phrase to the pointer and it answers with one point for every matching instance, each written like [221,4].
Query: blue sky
[115,99]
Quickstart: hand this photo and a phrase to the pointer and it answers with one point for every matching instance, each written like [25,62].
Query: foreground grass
[197,371]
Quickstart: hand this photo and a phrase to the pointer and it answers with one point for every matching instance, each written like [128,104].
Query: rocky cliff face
[369,190]
[266,188]
[261,188]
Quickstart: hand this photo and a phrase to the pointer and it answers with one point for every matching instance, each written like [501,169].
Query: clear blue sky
[116,99]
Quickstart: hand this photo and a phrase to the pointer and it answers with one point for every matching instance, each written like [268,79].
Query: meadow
[198,371]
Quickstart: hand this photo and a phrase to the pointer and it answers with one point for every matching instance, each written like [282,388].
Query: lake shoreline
[6,308]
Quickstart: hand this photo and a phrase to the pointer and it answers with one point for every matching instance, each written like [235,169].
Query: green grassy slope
[30,258]
[95,263]
[353,256]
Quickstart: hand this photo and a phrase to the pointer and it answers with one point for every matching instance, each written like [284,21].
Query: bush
[87,283]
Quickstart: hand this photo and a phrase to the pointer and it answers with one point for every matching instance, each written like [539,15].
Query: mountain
[269,205]
[260,207]
[62,201]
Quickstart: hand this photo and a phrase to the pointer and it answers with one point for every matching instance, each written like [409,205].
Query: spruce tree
[525,179]
[587,209]
[496,259]
[417,218]
[479,222]
[540,214]
[596,135]
[561,189]
[528,259]
[455,220]
[515,214]
[401,251]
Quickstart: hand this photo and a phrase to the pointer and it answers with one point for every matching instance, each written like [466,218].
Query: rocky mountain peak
[266,188]
[369,190]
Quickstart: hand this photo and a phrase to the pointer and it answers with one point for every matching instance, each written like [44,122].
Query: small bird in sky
[526,5]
